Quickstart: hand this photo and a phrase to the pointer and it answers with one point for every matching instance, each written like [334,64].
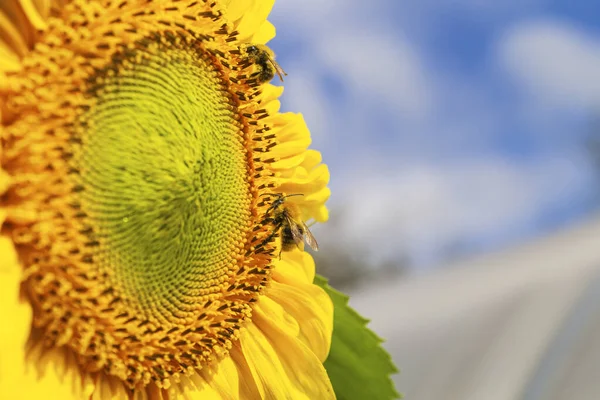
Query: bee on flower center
[264,58]
[289,225]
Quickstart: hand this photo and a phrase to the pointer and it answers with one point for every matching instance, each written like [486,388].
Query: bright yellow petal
[54,371]
[253,18]
[293,135]
[18,18]
[218,381]
[43,371]
[237,8]
[10,38]
[32,14]
[312,159]
[16,317]
[108,387]
[272,311]
[9,62]
[271,93]
[295,267]
[305,306]
[282,366]
[248,387]
[43,7]
[265,33]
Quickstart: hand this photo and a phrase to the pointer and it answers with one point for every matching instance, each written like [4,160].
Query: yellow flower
[142,151]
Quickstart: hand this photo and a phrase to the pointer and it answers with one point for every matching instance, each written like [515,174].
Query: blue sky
[450,128]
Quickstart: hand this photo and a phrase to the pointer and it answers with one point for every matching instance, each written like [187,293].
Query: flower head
[142,151]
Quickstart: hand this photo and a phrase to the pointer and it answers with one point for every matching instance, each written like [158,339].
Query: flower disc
[143,254]
[160,168]
[141,154]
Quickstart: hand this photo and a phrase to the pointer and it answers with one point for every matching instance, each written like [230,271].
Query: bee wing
[278,69]
[296,233]
[309,237]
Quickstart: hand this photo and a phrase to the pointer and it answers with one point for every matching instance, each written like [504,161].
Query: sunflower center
[162,179]
[145,157]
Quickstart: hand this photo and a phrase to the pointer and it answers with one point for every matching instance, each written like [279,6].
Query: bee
[292,230]
[264,57]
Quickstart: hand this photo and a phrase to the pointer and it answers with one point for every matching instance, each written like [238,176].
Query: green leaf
[359,368]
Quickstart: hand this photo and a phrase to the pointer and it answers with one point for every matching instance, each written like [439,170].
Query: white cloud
[558,63]
[425,201]
[379,67]
[486,7]
[304,94]
[301,11]
[425,210]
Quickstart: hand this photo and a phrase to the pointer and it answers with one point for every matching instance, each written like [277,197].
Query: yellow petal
[248,387]
[18,18]
[12,44]
[237,8]
[218,381]
[295,267]
[307,307]
[32,14]
[50,371]
[271,93]
[109,388]
[16,317]
[289,162]
[292,129]
[304,181]
[282,366]
[269,309]
[312,159]
[321,214]
[265,33]
[253,19]
[43,7]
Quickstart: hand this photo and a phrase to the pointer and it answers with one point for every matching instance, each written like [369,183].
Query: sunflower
[142,158]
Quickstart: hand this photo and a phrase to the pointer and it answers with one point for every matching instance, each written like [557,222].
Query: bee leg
[272,235]
[272,207]
[267,220]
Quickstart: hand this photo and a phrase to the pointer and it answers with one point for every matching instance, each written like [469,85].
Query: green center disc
[162,169]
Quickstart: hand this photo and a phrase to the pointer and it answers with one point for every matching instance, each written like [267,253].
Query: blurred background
[463,139]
